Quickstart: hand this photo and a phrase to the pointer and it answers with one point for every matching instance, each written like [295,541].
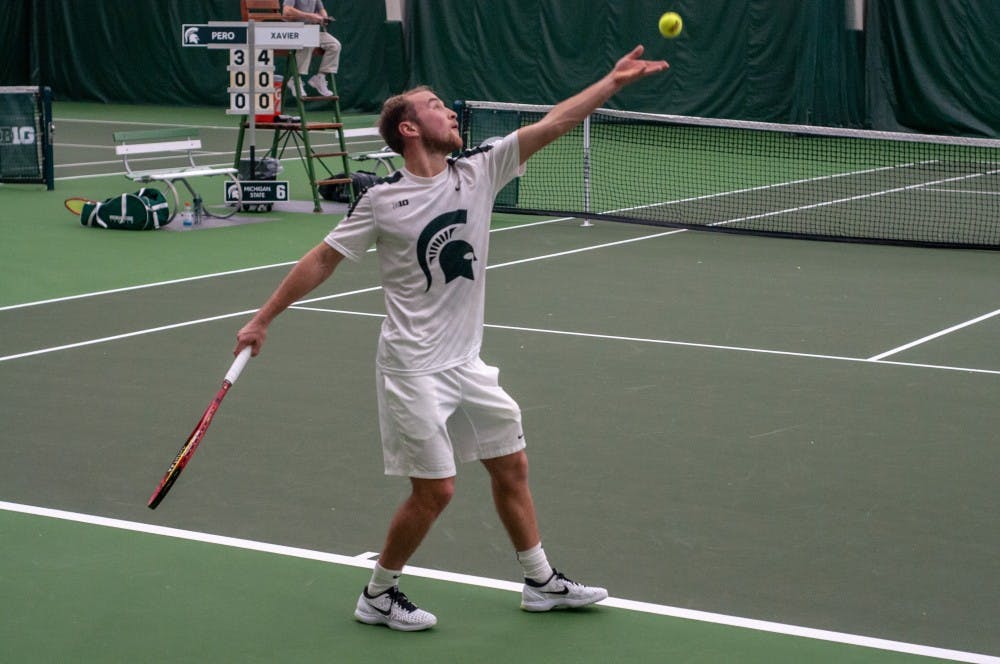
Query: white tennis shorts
[427,421]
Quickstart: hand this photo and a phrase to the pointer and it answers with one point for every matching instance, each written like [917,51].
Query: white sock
[382,579]
[534,564]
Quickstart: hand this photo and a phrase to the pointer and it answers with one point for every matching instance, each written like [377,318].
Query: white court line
[90,146]
[324,310]
[363,132]
[348,133]
[366,561]
[850,199]
[929,337]
[763,187]
[125,335]
[742,349]
[499,265]
[92,176]
[671,342]
[590,248]
[273,265]
[968,191]
[163,328]
[140,123]
[67,178]
[142,286]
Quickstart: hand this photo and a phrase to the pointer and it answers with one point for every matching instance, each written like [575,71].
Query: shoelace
[556,576]
[402,600]
[562,577]
[570,582]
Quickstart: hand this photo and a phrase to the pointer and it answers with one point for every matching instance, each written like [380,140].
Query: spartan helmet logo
[435,243]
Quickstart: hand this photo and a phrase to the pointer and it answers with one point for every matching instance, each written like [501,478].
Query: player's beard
[443,145]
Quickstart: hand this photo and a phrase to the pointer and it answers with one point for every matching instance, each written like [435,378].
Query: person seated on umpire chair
[312,11]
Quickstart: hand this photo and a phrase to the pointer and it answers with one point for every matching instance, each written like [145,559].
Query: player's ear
[408,129]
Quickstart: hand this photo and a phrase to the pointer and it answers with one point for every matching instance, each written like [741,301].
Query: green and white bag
[145,210]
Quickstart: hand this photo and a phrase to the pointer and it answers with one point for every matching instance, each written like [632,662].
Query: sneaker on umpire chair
[558,592]
[318,83]
[392,608]
[297,89]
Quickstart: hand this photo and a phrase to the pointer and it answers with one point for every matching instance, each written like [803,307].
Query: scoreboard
[266,99]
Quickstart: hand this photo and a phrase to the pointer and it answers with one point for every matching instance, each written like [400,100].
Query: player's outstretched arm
[569,113]
[312,269]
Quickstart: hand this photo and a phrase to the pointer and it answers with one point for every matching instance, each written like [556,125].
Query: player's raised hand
[632,67]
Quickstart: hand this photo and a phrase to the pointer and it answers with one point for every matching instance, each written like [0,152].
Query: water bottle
[187,217]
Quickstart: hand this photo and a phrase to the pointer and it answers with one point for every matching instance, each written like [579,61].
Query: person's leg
[330,63]
[512,497]
[381,601]
[544,587]
[412,419]
[303,58]
[414,518]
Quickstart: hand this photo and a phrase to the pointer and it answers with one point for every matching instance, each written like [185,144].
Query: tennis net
[753,177]
[26,135]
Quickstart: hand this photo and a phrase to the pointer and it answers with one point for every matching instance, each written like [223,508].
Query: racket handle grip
[237,366]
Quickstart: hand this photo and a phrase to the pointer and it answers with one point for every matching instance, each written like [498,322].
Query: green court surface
[103,600]
[768,450]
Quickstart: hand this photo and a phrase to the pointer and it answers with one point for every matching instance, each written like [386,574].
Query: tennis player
[437,399]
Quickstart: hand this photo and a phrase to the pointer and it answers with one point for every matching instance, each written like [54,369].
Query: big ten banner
[266,95]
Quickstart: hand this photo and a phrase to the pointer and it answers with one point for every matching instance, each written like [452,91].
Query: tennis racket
[187,451]
[75,204]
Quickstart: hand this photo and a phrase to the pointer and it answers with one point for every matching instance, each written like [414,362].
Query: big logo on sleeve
[455,256]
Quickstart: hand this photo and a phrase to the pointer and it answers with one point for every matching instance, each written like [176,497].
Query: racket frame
[73,199]
[198,433]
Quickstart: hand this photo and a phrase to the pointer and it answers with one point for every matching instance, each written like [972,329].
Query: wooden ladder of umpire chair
[297,130]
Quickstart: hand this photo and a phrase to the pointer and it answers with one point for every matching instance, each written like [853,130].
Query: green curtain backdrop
[758,59]
[920,64]
[935,65]
[923,65]
[15,28]
[130,50]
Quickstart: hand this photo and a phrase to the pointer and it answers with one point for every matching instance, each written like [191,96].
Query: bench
[383,158]
[172,145]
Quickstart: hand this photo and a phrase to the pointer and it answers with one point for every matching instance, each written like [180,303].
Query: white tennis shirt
[432,239]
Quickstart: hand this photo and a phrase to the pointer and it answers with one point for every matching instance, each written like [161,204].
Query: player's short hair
[395,110]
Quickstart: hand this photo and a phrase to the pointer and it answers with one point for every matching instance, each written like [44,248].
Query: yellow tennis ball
[671,25]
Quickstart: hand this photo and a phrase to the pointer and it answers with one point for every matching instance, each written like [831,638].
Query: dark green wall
[15,30]
[920,64]
[130,50]
[926,65]
[934,65]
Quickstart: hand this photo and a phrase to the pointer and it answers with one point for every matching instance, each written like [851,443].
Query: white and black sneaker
[318,82]
[392,608]
[297,89]
[558,592]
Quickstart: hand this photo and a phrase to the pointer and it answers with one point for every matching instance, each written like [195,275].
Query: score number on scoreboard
[265,95]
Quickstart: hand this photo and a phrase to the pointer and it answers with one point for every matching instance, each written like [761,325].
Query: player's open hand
[632,67]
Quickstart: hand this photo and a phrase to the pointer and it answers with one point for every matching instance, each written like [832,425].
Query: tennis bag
[360,180]
[144,210]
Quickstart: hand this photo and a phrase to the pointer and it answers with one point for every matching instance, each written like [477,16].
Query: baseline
[642,607]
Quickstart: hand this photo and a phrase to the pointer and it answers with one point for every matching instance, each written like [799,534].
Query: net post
[586,171]
[252,93]
[25,137]
[47,129]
